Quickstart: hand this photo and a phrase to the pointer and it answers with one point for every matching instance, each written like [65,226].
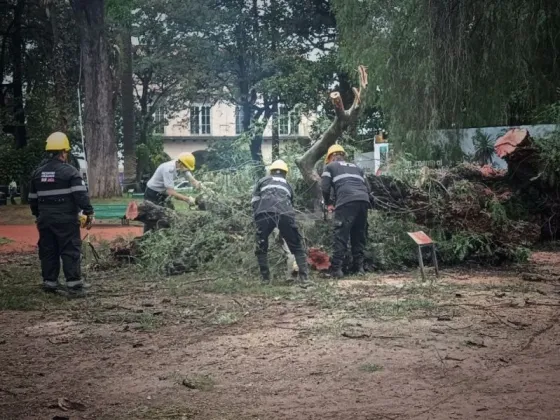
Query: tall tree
[17,51]
[452,64]
[170,66]
[128,108]
[120,15]
[101,145]
[260,58]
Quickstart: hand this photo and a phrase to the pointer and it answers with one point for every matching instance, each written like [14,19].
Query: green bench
[111,211]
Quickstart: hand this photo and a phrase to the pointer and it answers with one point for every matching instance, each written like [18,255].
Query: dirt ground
[474,344]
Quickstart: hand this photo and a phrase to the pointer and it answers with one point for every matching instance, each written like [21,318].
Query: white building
[201,124]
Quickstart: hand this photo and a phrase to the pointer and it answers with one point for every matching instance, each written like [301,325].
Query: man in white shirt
[162,184]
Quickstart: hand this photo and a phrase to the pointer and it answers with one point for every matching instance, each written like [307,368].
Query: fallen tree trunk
[153,216]
[343,118]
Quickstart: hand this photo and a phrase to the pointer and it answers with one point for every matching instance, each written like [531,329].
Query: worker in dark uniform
[352,201]
[57,194]
[273,208]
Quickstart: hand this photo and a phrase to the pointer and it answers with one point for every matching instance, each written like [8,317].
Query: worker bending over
[273,208]
[57,194]
[352,201]
[161,185]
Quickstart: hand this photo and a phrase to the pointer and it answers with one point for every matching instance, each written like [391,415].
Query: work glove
[90,218]
[191,201]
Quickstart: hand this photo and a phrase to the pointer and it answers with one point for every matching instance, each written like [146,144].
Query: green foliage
[484,148]
[444,64]
[151,154]
[19,164]
[549,157]
[227,155]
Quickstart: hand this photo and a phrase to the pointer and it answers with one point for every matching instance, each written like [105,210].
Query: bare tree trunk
[59,74]
[100,136]
[343,119]
[275,131]
[20,132]
[143,135]
[127,89]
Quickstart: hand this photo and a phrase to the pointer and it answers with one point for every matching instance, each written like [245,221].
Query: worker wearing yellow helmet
[273,208]
[161,185]
[57,195]
[351,204]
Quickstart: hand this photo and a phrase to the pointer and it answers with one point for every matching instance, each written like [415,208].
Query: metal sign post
[422,240]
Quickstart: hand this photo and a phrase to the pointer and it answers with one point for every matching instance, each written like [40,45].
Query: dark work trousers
[60,241]
[350,222]
[266,222]
[156,198]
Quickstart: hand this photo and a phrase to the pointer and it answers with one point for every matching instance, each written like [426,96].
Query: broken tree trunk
[343,118]
[517,148]
[153,216]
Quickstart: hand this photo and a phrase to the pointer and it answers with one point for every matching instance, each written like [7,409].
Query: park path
[24,237]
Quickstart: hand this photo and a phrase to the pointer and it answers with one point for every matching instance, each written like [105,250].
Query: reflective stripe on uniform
[278,187]
[342,176]
[255,199]
[326,173]
[32,195]
[61,191]
[74,283]
[278,178]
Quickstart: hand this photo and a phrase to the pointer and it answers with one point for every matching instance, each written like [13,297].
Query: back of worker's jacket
[57,193]
[273,194]
[348,181]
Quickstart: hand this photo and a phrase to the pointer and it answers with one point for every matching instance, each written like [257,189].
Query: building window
[288,122]
[159,120]
[238,120]
[200,119]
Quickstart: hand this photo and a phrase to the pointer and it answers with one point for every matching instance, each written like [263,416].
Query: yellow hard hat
[188,160]
[278,165]
[334,149]
[57,142]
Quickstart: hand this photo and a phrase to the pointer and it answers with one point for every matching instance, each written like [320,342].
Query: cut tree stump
[153,216]
[511,141]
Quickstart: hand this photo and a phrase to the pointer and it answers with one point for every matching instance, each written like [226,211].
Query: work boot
[78,290]
[337,273]
[361,272]
[265,279]
[49,287]
[304,282]
[262,259]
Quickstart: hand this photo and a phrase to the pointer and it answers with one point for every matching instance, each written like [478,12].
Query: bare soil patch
[473,344]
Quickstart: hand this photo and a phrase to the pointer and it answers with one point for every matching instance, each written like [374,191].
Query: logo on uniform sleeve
[47,177]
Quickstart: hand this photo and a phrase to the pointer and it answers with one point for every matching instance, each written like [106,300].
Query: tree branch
[343,118]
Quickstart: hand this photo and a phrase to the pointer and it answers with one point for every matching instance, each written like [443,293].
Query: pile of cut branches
[475,214]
